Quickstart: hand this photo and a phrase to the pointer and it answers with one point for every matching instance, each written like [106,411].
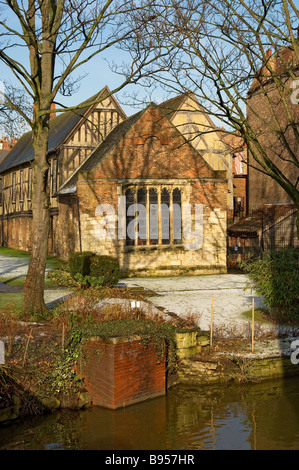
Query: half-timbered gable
[186,113]
[73,135]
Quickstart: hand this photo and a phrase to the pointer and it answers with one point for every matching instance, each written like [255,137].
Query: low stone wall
[195,369]
[197,372]
[190,343]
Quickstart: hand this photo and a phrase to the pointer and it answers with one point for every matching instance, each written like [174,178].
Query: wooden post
[27,343]
[62,338]
[252,328]
[211,328]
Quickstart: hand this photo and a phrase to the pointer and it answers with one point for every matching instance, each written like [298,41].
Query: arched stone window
[153,216]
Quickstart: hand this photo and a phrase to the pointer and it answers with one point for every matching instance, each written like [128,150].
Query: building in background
[161,158]
[270,221]
[275,119]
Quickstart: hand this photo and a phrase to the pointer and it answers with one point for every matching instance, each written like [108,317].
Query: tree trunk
[34,287]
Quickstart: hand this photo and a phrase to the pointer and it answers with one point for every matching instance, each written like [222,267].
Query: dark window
[142,216]
[130,234]
[54,177]
[154,217]
[21,186]
[143,225]
[238,206]
[165,219]
[29,184]
[177,216]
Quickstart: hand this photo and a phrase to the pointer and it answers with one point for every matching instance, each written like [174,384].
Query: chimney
[270,63]
[52,115]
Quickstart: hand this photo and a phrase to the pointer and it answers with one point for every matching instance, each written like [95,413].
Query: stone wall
[239,369]
[154,155]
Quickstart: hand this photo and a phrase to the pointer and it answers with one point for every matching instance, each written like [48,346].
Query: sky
[96,73]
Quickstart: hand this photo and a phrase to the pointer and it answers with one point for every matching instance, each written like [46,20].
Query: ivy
[161,335]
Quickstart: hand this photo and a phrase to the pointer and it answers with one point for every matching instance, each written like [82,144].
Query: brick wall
[121,371]
[262,189]
[16,232]
[240,190]
[66,228]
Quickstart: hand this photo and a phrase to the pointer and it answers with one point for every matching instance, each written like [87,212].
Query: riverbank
[37,382]
[39,375]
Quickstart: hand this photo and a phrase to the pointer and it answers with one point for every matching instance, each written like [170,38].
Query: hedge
[96,270]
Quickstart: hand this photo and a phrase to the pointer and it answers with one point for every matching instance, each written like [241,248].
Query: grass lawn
[11,302]
[260,315]
[52,263]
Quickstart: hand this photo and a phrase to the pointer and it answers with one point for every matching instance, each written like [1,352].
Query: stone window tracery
[153,215]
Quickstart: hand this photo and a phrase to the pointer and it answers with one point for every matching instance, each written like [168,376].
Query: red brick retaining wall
[120,371]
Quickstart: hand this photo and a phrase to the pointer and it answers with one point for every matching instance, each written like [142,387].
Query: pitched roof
[276,63]
[3,154]
[69,187]
[170,107]
[113,138]
[265,216]
[60,127]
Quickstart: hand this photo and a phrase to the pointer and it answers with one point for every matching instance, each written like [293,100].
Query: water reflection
[254,416]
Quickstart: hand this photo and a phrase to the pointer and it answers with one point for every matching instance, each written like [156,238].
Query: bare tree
[11,122]
[44,44]
[240,58]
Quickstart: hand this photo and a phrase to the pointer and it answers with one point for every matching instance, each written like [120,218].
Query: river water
[261,416]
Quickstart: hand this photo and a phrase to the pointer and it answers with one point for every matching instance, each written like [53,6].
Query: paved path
[13,268]
[180,295]
[193,295]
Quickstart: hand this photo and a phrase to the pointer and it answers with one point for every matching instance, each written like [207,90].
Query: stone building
[136,188]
